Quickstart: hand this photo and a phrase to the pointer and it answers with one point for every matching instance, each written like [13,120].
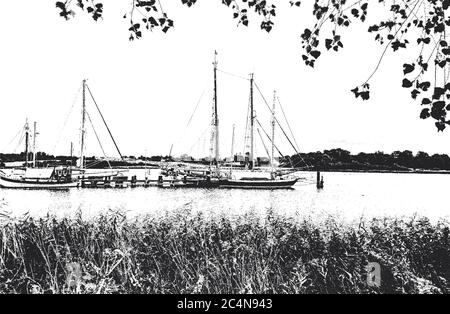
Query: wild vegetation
[186,252]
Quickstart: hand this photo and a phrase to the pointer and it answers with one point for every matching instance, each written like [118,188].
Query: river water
[346,196]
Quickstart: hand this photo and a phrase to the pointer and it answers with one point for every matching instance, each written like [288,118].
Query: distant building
[186,157]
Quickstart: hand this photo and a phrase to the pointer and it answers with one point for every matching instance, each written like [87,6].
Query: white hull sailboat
[253,179]
[59,179]
[32,178]
[47,184]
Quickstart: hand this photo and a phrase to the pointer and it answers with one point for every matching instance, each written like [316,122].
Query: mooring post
[146,180]
[319,180]
[160,180]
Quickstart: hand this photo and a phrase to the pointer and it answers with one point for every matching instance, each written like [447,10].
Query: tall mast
[232,145]
[273,131]
[232,152]
[83,126]
[71,153]
[27,135]
[34,144]
[215,115]
[251,123]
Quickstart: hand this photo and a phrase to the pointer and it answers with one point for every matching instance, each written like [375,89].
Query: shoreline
[330,170]
[160,165]
[386,171]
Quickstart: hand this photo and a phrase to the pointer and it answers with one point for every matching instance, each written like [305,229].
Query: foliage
[332,159]
[46,160]
[183,252]
[419,26]
[151,15]
[423,22]
[339,159]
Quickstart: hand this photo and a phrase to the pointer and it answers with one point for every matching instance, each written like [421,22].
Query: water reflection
[346,196]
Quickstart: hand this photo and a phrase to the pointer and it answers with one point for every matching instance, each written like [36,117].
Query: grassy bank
[188,253]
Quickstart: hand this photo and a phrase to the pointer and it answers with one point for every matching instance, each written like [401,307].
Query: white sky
[148,89]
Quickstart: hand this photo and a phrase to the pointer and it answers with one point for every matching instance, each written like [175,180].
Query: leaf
[408,68]
[438,92]
[440,126]
[425,114]
[315,54]
[406,83]
[426,101]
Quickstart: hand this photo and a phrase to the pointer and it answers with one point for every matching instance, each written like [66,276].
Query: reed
[185,252]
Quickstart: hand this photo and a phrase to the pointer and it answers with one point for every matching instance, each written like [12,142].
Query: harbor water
[346,197]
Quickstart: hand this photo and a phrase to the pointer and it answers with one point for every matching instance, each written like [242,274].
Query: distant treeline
[340,159]
[328,160]
[43,159]
[46,160]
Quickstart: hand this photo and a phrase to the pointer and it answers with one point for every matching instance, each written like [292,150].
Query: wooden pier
[126,182]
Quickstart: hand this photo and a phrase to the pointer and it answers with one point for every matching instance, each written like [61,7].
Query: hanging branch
[152,14]
[405,23]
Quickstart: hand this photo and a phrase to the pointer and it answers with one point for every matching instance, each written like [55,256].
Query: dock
[110,181]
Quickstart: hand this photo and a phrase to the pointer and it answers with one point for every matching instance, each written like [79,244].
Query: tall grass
[182,252]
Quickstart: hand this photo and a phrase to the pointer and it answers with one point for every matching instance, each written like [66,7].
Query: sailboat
[94,179]
[217,176]
[31,178]
[62,177]
[209,178]
[253,179]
